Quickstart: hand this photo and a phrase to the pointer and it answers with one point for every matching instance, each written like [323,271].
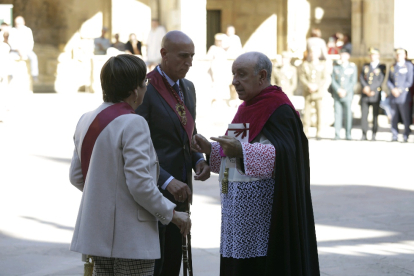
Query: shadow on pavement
[56,159]
[56,225]
[37,258]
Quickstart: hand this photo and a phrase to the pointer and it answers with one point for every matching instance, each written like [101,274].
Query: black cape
[292,246]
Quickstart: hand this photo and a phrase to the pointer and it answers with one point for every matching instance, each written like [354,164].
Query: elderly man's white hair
[262,63]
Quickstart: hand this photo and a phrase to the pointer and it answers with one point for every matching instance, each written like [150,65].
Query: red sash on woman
[99,123]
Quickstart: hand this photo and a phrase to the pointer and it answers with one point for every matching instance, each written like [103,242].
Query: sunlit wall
[264,38]
[403,20]
[131,16]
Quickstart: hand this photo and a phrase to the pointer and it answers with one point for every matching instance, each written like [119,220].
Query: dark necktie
[183,133]
[179,93]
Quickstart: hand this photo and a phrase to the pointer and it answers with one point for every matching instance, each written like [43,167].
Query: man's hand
[231,146]
[179,190]
[371,94]
[396,92]
[100,47]
[202,171]
[200,144]
[313,87]
[366,90]
[341,92]
[183,221]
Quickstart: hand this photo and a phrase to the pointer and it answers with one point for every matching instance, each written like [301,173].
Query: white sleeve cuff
[164,186]
[199,160]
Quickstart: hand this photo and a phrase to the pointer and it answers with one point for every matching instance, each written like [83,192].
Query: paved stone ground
[363,195]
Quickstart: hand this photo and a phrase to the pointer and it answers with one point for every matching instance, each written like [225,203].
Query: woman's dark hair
[120,75]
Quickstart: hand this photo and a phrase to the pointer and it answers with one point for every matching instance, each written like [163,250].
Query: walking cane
[186,248]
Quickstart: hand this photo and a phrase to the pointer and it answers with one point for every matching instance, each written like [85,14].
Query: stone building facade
[64,29]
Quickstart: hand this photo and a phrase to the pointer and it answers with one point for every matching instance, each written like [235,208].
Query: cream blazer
[121,203]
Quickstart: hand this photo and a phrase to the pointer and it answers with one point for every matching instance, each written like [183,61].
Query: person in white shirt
[4,58]
[101,43]
[120,46]
[315,41]
[21,43]
[221,80]
[232,43]
[154,44]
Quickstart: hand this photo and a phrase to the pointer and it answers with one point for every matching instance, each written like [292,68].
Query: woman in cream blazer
[121,204]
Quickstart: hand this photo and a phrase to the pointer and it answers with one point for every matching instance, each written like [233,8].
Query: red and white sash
[98,125]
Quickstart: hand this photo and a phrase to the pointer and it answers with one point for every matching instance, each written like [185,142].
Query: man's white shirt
[21,39]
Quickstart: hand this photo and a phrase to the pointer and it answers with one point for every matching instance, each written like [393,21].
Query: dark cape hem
[292,248]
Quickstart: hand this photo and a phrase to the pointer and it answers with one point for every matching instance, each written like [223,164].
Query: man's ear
[163,52]
[263,74]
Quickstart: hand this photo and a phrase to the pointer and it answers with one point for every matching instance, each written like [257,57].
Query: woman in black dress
[133,46]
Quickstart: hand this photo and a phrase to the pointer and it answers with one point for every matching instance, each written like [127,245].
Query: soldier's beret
[373,50]
[400,51]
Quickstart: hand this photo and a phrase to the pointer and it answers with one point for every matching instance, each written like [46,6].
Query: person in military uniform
[399,82]
[314,77]
[344,78]
[372,76]
[285,75]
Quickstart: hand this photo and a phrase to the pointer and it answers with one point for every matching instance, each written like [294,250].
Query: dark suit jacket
[128,46]
[372,77]
[168,136]
[402,78]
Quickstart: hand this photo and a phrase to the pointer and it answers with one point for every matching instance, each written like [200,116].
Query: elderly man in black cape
[267,223]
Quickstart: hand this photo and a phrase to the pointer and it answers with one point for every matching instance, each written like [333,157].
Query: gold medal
[179,107]
[181,112]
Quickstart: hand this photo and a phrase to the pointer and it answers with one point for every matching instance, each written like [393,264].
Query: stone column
[282,28]
[188,16]
[298,24]
[106,6]
[358,44]
[170,15]
[193,23]
[373,26]
[403,20]
[155,10]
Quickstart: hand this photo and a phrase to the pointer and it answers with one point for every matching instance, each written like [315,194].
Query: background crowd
[324,71]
